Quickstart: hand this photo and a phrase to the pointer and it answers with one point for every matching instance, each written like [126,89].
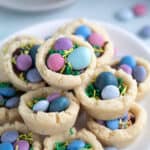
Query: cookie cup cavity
[8,50]
[70,27]
[108,109]
[48,123]
[87,136]
[120,137]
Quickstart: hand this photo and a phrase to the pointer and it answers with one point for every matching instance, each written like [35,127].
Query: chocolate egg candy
[59,104]
[6,146]
[83,31]
[9,136]
[42,105]
[110,148]
[80,58]
[128,60]
[110,92]
[76,145]
[139,73]
[126,68]
[7,91]
[55,62]
[33,76]
[12,102]
[113,124]
[104,79]
[22,145]
[53,96]
[63,44]
[23,62]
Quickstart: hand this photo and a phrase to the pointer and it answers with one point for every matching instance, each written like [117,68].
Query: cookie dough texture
[49,143]
[108,109]
[69,29]
[58,79]
[48,123]
[7,52]
[20,127]
[120,137]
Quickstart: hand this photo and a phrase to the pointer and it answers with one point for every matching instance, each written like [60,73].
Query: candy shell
[53,96]
[140,9]
[110,92]
[9,136]
[76,145]
[80,58]
[126,68]
[7,91]
[63,44]
[139,73]
[59,104]
[83,31]
[113,124]
[128,60]
[42,105]
[12,102]
[104,79]
[23,62]
[145,32]
[110,148]
[6,146]
[33,76]
[96,39]
[55,62]
[22,145]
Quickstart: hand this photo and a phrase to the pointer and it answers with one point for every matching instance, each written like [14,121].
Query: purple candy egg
[53,96]
[126,68]
[22,145]
[63,44]
[23,62]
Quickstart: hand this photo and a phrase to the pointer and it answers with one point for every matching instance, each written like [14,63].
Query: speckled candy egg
[113,124]
[104,79]
[42,105]
[22,145]
[6,146]
[63,44]
[76,145]
[80,58]
[139,73]
[110,92]
[126,68]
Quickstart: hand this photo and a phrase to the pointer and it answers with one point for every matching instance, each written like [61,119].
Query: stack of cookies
[46,86]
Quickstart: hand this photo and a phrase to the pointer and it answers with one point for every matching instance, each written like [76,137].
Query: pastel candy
[23,62]
[12,102]
[42,105]
[110,148]
[80,58]
[76,145]
[110,92]
[96,39]
[113,124]
[22,145]
[9,136]
[6,146]
[55,62]
[83,31]
[59,104]
[63,44]
[53,96]
[139,73]
[140,9]
[145,32]
[104,79]
[33,76]
[126,68]
[128,60]
[7,91]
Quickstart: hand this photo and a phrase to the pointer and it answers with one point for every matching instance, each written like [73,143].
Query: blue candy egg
[145,32]
[6,146]
[9,136]
[80,58]
[104,79]
[128,60]
[124,117]
[59,104]
[110,92]
[12,102]
[113,124]
[42,105]
[7,91]
[110,148]
[83,31]
[76,145]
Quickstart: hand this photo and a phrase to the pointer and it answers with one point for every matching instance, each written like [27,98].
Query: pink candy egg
[140,9]
[126,68]
[55,62]
[96,39]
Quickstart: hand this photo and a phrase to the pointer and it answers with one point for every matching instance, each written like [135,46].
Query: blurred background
[18,14]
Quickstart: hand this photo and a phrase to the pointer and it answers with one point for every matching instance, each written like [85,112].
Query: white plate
[34,5]
[126,43]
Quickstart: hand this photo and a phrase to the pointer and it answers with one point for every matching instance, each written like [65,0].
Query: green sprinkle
[88,146]
[68,69]
[5,84]
[13,60]
[122,87]
[39,98]
[71,131]
[60,146]
[61,52]
[31,148]
[75,46]
[27,137]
